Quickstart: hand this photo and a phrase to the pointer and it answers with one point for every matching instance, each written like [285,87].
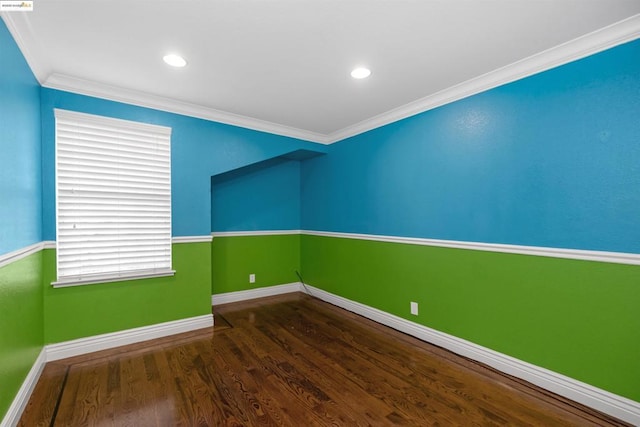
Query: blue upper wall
[552,160]
[199,150]
[20,158]
[265,199]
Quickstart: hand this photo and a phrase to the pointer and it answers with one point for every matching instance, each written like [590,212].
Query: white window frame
[138,136]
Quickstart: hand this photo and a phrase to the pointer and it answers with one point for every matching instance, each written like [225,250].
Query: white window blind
[113,204]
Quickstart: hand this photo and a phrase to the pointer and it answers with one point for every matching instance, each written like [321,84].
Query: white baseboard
[578,391]
[267,291]
[601,400]
[129,336]
[14,412]
[80,346]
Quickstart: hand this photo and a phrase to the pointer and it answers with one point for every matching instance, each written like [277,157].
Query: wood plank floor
[290,361]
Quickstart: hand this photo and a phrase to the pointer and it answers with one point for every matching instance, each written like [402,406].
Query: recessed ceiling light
[174,60]
[361,73]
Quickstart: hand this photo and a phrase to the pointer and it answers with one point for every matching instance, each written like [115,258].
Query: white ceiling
[283,65]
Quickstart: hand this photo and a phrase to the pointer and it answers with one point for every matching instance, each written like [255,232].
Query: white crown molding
[253,233]
[12,417]
[191,239]
[129,336]
[267,291]
[92,119]
[588,44]
[602,400]
[18,254]
[601,256]
[599,40]
[19,28]
[141,99]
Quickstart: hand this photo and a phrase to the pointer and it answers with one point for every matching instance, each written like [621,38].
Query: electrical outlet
[252,278]
[414,308]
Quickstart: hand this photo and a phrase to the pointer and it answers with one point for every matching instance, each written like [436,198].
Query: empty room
[319,213]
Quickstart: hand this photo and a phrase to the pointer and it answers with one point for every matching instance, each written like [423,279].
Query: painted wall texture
[21,324]
[578,318]
[552,160]
[199,150]
[20,177]
[21,310]
[264,199]
[82,311]
[273,259]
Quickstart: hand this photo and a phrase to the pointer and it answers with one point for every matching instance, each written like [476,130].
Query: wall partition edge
[580,254]
[254,233]
[191,239]
[18,254]
[24,252]
[587,255]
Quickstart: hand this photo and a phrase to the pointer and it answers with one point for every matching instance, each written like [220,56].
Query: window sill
[108,279]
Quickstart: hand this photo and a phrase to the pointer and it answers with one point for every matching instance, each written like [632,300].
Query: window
[113,199]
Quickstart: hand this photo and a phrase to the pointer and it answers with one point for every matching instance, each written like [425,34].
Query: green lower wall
[82,311]
[274,260]
[21,324]
[577,318]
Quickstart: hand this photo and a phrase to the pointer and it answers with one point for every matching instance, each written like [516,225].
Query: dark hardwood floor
[290,361]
